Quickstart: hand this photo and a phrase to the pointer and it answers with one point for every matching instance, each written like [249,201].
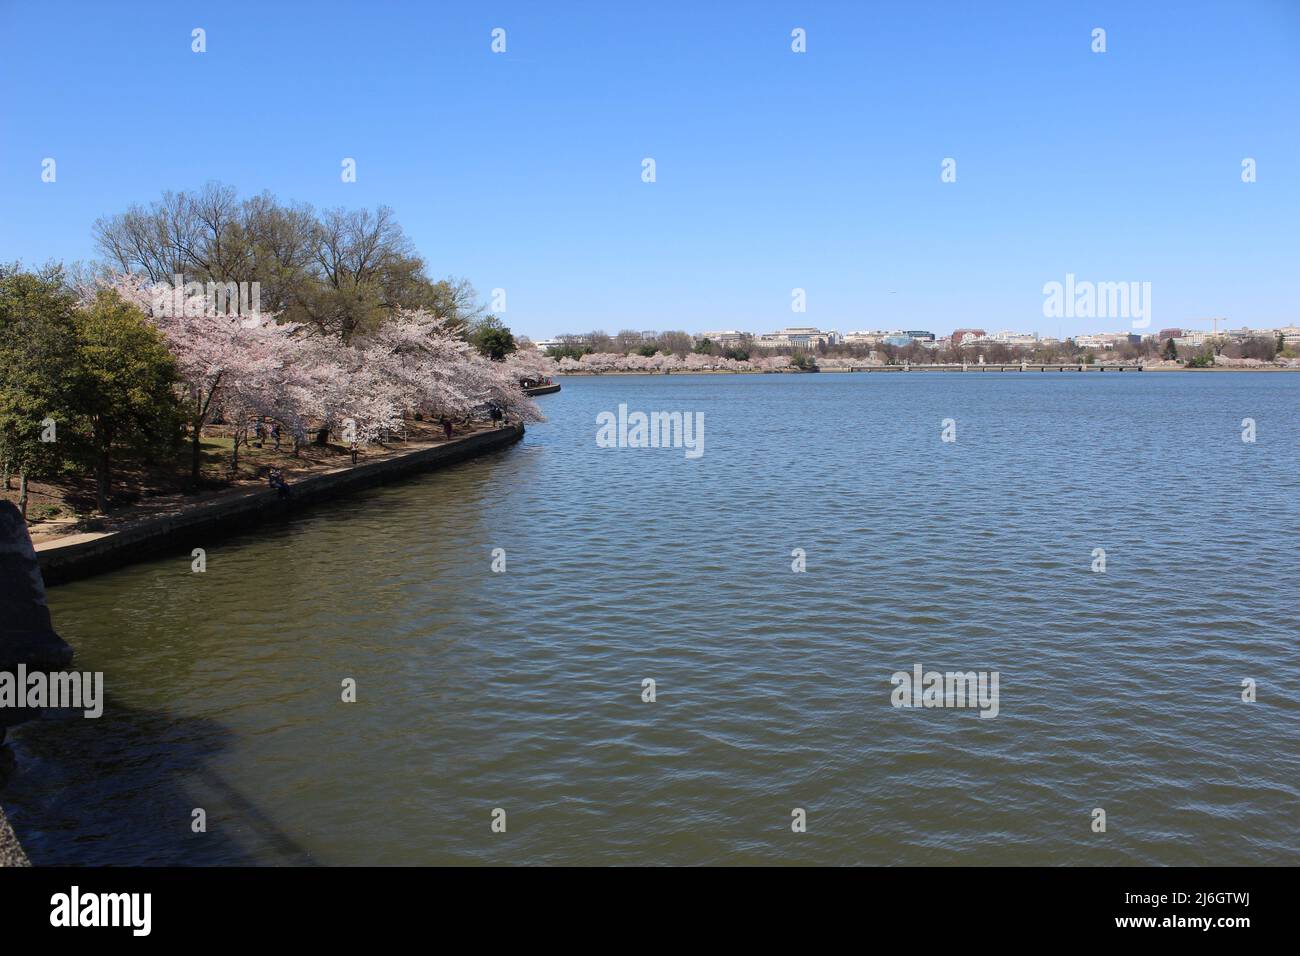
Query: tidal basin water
[522,690]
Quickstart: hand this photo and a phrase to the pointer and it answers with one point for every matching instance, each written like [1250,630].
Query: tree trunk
[102,483]
[194,453]
[22,491]
[201,408]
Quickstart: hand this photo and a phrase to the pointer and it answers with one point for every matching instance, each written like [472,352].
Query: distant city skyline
[1205,324]
[774,171]
[811,336]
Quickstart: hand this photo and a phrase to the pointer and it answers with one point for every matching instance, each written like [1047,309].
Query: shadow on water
[89,792]
[254,637]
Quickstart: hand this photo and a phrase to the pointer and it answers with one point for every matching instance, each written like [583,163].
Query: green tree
[125,387]
[1171,350]
[491,337]
[342,272]
[37,360]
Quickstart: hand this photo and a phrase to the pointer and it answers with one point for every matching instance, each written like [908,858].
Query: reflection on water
[522,690]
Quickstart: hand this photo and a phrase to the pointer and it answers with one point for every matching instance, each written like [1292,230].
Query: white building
[864,338]
[726,337]
[1007,337]
[1093,342]
[803,337]
[1193,338]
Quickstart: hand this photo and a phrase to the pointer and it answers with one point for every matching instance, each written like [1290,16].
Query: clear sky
[775,170]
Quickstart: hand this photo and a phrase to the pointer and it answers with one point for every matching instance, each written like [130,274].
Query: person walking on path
[276,480]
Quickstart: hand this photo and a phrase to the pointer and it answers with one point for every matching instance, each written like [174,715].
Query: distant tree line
[680,344]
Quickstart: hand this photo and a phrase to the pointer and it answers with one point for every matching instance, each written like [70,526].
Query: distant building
[1106,340]
[960,334]
[864,338]
[803,337]
[1007,337]
[1193,338]
[1170,334]
[1243,334]
[727,338]
[1290,334]
[896,337]
[1093,342]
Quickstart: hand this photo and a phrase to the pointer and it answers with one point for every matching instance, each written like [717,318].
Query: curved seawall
[62,562]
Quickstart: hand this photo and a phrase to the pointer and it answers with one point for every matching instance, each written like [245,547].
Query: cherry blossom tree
[233,364]
[252,368]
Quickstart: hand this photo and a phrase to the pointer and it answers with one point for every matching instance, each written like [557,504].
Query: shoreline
[84,555]
[768,371]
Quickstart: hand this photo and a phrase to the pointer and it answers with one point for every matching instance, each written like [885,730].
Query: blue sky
[775,170]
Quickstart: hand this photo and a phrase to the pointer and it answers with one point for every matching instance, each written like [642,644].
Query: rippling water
[522,690]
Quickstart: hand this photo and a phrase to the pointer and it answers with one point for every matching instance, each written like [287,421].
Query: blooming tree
[229,364]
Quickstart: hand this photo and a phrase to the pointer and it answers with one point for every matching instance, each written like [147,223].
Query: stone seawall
[11,852]
[27,640]
[68,562]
